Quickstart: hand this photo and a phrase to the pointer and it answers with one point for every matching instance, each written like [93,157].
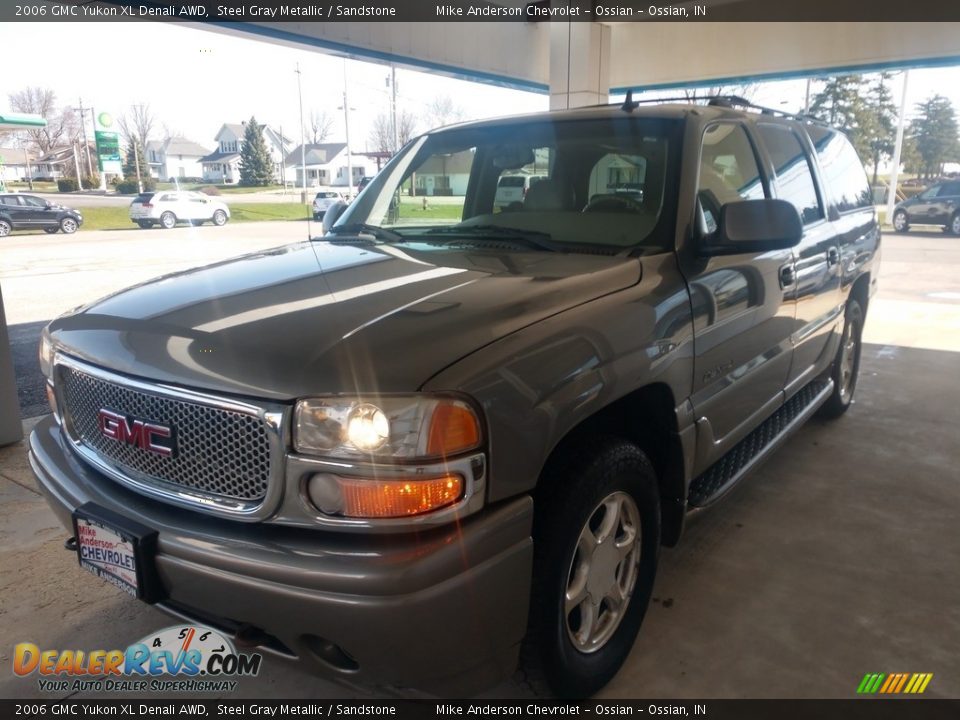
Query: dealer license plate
[115,549]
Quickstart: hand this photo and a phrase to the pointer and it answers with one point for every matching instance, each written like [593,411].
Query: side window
[728,171]
[792,169]
[843,173]
[33,202]
[950,189]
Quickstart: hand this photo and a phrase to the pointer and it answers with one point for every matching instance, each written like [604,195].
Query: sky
[196,80]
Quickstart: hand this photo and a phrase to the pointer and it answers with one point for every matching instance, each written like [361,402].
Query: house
[223,165]
[326,165]
[62,162]
[175,157]
[16,164]
[445,174]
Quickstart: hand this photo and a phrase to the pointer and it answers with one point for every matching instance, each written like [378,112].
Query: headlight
[388,428]
[46,354]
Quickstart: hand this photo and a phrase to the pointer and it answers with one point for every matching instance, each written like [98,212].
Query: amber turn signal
[453,429]
[378,498]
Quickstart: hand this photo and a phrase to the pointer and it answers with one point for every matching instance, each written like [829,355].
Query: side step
[755,447]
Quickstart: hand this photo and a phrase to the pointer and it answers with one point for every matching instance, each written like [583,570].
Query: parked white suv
[169,207]
[323,201]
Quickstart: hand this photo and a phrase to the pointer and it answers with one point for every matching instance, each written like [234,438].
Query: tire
[600,491]
[846,364]
[954,227]
[68,225]
[219,218]
[51,230]
[901,223]
[144,224]
[168,220]
[5,228]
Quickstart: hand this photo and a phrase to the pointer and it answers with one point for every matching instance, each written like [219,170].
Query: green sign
[108,144]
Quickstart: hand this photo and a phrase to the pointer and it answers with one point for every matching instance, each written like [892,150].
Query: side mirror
[332,214]
[754,226]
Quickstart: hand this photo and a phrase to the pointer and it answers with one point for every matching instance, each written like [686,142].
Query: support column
[579,64]
[10,428]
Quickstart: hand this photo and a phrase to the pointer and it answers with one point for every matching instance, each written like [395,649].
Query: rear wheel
[596,541]
[51,230]
[145,224]
[168,220]
[900,221]
[68,225]
[846,364]
[5,228]
[219,218]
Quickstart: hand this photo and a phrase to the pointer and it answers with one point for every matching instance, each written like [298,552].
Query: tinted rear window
[325,195]
[511,182]
[143,198]
[843,172]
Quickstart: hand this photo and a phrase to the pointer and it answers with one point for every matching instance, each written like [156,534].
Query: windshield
[573,185]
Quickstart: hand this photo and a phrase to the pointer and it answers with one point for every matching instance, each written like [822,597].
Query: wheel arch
[647,417]
[860,291]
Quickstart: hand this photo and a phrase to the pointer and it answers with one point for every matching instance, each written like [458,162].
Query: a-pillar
[579,64]
[10,428]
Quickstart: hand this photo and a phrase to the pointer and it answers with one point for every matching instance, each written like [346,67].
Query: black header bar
[529,11]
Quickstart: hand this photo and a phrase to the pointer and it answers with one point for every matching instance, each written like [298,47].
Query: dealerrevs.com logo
[181,658]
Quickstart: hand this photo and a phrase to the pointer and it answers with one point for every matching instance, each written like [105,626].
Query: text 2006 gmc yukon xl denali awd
[412,453]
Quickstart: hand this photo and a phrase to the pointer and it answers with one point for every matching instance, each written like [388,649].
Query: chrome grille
[220,452]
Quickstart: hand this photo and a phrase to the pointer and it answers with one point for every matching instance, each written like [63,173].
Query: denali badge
[140,433]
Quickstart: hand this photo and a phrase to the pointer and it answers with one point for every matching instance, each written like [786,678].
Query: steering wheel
[613,202]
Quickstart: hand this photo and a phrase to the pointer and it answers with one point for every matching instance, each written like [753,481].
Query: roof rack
[726,101]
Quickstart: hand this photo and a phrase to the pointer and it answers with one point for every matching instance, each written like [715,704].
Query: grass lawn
[412,209]
[118,218]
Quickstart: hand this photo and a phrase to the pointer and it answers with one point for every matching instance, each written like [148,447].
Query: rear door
[16,210]
[742,315]
[815,287]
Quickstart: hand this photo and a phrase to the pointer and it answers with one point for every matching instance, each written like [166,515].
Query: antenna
[629,105]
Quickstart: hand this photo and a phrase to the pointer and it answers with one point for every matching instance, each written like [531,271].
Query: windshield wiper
[352,232]
[533,239]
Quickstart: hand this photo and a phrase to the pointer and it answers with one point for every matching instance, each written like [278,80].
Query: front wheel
[596,542]
[900,221]
[68,225]
[219,218]
[955,224]
[168,220]
[846,364]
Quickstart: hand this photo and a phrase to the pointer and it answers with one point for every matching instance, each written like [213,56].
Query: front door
[742,315]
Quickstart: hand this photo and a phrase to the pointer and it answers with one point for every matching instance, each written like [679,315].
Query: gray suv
[417,452]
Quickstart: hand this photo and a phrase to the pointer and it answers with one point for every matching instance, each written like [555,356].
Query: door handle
[787,276]
[833,256]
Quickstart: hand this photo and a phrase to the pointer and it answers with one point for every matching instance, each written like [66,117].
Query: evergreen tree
[841,103]
[934,131]
[256,167]
[134,154]
[878,122]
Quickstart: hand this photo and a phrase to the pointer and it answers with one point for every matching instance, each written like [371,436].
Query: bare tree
[381,133]
[137,124]
[744,91]
[442,110]
[321,125]
[63,124]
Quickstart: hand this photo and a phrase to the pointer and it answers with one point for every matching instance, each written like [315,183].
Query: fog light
[379,498]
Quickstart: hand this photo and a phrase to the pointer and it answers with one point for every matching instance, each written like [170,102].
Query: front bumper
[441,611]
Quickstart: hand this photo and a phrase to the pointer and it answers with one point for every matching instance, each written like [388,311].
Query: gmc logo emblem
[139,433]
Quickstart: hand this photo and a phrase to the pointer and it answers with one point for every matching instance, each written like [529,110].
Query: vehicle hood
[315,318]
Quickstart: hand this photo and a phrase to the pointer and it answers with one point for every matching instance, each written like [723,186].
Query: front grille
[220,452]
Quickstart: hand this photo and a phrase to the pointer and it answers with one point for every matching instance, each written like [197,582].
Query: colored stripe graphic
[894,683]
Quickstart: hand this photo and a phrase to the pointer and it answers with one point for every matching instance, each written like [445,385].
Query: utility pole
[86,146]
[76,163]
[283,162]
[806,99]
[393,108]
[346,125]
[895,170]
[26,157]
[303,146]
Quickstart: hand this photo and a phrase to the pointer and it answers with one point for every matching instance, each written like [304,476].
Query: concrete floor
[835,559]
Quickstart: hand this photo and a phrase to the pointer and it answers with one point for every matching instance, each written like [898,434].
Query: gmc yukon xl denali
[416,453]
